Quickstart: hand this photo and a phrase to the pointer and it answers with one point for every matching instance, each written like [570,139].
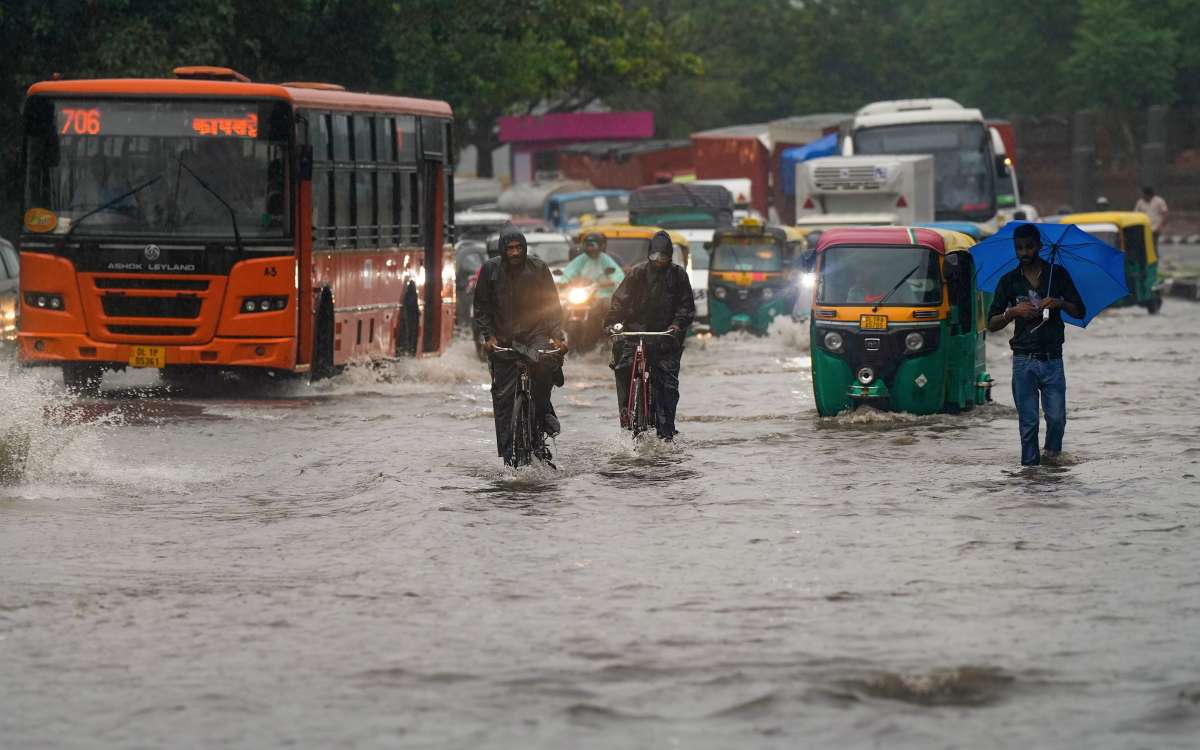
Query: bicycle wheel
[522,432]
[637,417]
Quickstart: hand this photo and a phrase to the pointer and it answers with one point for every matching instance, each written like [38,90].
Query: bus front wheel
[322,356]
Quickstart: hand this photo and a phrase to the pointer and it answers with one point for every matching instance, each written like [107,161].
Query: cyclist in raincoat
[655,296]
[516,302]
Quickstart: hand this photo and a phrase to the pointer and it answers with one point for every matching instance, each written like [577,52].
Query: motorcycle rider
[656,295]
[596,267]
[516,302]
[593,265]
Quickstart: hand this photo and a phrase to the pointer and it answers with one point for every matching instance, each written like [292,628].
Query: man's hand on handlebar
[673,328]
[491,344]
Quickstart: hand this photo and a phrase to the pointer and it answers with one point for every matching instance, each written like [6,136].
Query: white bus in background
[966,163]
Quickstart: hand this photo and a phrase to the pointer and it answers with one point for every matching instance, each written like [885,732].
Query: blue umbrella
[1097,269]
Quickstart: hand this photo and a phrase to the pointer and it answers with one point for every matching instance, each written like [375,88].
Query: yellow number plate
[148,356]
[873,322]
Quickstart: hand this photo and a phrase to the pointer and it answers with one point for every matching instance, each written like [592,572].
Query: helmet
[595,238]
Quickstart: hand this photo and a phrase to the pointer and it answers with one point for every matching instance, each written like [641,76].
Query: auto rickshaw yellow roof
[1120,218]
[955,242]
[1124,220]
[631,231]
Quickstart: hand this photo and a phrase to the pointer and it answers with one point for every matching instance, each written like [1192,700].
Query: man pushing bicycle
[656,296]
[516,308]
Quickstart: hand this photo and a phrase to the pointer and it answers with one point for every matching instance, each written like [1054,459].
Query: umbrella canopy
[1097,269]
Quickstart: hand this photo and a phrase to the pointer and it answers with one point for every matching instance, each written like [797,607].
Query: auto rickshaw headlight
[719,292]
[768,293]
[914,341]
[833,341]
[866,375]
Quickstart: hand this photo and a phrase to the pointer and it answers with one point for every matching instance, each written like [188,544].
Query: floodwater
[348,565]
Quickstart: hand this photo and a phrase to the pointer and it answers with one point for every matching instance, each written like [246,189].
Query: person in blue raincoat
[593,264]
[1034,295]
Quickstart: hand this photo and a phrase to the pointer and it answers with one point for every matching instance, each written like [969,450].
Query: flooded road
[347,565]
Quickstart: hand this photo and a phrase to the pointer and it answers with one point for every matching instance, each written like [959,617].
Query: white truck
[865,190]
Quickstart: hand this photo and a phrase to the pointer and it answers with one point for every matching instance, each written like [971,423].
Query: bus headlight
[44,300]
[914,341]
[833,341]
[263,304]
[719,292]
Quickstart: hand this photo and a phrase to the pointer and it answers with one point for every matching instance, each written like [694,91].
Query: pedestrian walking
[1034,295]
[1156,208]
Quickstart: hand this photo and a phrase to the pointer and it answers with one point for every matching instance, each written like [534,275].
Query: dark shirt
[1036,336]
[517,304]
[653,300]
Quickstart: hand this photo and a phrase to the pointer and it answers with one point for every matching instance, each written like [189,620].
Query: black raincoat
[519,304]
[653,299]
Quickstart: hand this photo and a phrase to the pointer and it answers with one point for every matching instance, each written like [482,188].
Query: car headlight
[808,280]
[768,293]
[833,341]
[719,292]
[914,341]
[578,295]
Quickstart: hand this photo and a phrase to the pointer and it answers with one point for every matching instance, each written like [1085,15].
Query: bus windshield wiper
[109,204]
[903,279]
[237,237]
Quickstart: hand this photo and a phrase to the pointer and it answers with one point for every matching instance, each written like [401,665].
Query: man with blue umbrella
[1034,295]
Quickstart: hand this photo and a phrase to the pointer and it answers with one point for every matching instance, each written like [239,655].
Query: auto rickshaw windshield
[852,275]
[757,256]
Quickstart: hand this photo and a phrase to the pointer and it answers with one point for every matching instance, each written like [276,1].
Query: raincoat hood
[661,243]
[509,233]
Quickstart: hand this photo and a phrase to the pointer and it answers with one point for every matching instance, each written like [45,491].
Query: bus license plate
[873,322]
[148,356]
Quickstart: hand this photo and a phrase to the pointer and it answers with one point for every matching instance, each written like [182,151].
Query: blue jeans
[1029,377]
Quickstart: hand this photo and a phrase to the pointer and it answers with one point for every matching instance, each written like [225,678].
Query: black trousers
[506,378]
[664,385]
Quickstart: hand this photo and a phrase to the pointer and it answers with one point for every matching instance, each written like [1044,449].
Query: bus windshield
[852,275]
[964,173]
[180,161]
[743,255]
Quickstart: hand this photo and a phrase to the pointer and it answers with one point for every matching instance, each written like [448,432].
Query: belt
[1042,356]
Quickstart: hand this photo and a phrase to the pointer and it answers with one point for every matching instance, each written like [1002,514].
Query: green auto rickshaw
[752,276]
[897,322]
[1129,232]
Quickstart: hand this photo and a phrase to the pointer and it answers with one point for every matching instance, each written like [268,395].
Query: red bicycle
[639,415]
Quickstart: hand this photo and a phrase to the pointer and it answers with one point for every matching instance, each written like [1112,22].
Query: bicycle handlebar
[510,350]
[631,334]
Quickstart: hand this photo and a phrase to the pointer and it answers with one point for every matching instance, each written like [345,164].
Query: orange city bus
[210,223]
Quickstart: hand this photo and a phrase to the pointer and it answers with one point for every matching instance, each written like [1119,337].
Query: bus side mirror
[305,166]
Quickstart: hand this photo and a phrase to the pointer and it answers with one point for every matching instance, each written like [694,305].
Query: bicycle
[528,440]
[639,415]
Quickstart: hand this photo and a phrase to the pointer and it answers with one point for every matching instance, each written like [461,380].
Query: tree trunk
[484,141]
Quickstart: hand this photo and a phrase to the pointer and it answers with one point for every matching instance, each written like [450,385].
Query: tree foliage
[696,63]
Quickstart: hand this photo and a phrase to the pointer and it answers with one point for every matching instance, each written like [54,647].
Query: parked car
[10,276]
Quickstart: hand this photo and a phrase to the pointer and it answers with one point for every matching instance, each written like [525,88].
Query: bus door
[434,149]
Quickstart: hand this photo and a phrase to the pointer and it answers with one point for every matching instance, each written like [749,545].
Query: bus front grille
[120,306]
[151,330]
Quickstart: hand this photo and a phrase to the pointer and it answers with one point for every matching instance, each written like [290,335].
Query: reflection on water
[348,563]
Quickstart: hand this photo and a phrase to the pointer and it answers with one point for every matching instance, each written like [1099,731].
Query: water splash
[44,431]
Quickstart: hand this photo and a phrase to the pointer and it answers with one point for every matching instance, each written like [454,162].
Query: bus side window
[343,183]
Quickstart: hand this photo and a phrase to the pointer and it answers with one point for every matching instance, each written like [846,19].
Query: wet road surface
[348,565]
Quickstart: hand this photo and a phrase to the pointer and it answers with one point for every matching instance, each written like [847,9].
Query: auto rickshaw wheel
[1154,305]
